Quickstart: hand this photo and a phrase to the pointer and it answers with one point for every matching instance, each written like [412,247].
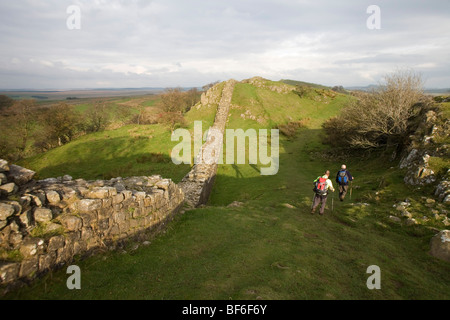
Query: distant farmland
[78,94]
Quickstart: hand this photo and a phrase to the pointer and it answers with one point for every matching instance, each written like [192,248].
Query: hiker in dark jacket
[321,195]
[343,178]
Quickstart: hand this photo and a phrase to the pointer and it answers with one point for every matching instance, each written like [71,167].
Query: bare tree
[380,117]
[192,97]
[5,102]
[172,120]
[173,100]
[21,118]
[97,116]
[60,124]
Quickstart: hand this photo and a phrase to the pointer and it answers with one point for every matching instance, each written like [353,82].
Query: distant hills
[118,92]
[79,94]
[359,88]
[374,86]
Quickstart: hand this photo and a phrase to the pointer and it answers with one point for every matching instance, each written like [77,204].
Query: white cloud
[174,42]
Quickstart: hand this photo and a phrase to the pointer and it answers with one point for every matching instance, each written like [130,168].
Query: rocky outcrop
[212,96]
[267,84]
[425,144]
[44,224]
[198,183]
[418,172]
[443,189]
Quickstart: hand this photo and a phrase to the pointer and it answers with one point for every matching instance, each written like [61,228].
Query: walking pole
[351,189]
[332,203]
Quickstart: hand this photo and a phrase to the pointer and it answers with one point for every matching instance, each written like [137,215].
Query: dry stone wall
[45,224]
[198,183]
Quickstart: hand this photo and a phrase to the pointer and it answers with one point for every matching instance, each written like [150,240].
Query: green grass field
[271,247]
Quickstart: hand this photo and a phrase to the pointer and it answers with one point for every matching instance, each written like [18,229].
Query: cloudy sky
[169,43]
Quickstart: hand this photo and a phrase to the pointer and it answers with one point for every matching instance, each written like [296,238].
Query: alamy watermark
[74,281]
[374,20]
[235,143]
[374,281]
[73,22]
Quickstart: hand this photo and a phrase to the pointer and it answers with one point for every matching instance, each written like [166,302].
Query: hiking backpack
[320,186]
[342,177]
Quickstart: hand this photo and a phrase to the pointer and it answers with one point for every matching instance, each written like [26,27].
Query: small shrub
[380,118]
[172,120]
[289,130]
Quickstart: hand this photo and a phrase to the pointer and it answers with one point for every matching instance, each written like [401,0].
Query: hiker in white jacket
[321,186]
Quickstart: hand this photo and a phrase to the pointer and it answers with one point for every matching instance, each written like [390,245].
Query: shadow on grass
[105,159]
[291,184]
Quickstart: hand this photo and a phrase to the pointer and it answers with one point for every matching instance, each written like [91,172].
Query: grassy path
[264,250]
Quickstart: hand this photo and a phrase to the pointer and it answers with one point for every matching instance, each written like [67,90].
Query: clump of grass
[439,165]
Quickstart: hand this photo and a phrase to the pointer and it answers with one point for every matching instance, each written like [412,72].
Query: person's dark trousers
[343,191]
[318,199]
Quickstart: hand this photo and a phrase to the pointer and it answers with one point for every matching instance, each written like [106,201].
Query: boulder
[43,215]
[71,223]
[31,247]
[406,214]
[53,197]
[26,218]
[408,160]
[4,166]
[20,175]
[3,179]
[56,243]
[88,205]
[6,210]
[67,178]
[9,271]
[440,245]
[395,219]
[8,188]
[101,193]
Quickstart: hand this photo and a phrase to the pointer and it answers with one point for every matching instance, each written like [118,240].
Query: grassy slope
[114,153]
[265,250]
[109,154]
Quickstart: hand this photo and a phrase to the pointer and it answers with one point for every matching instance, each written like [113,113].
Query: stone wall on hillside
[211,97]
[198,183]
[44,224]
